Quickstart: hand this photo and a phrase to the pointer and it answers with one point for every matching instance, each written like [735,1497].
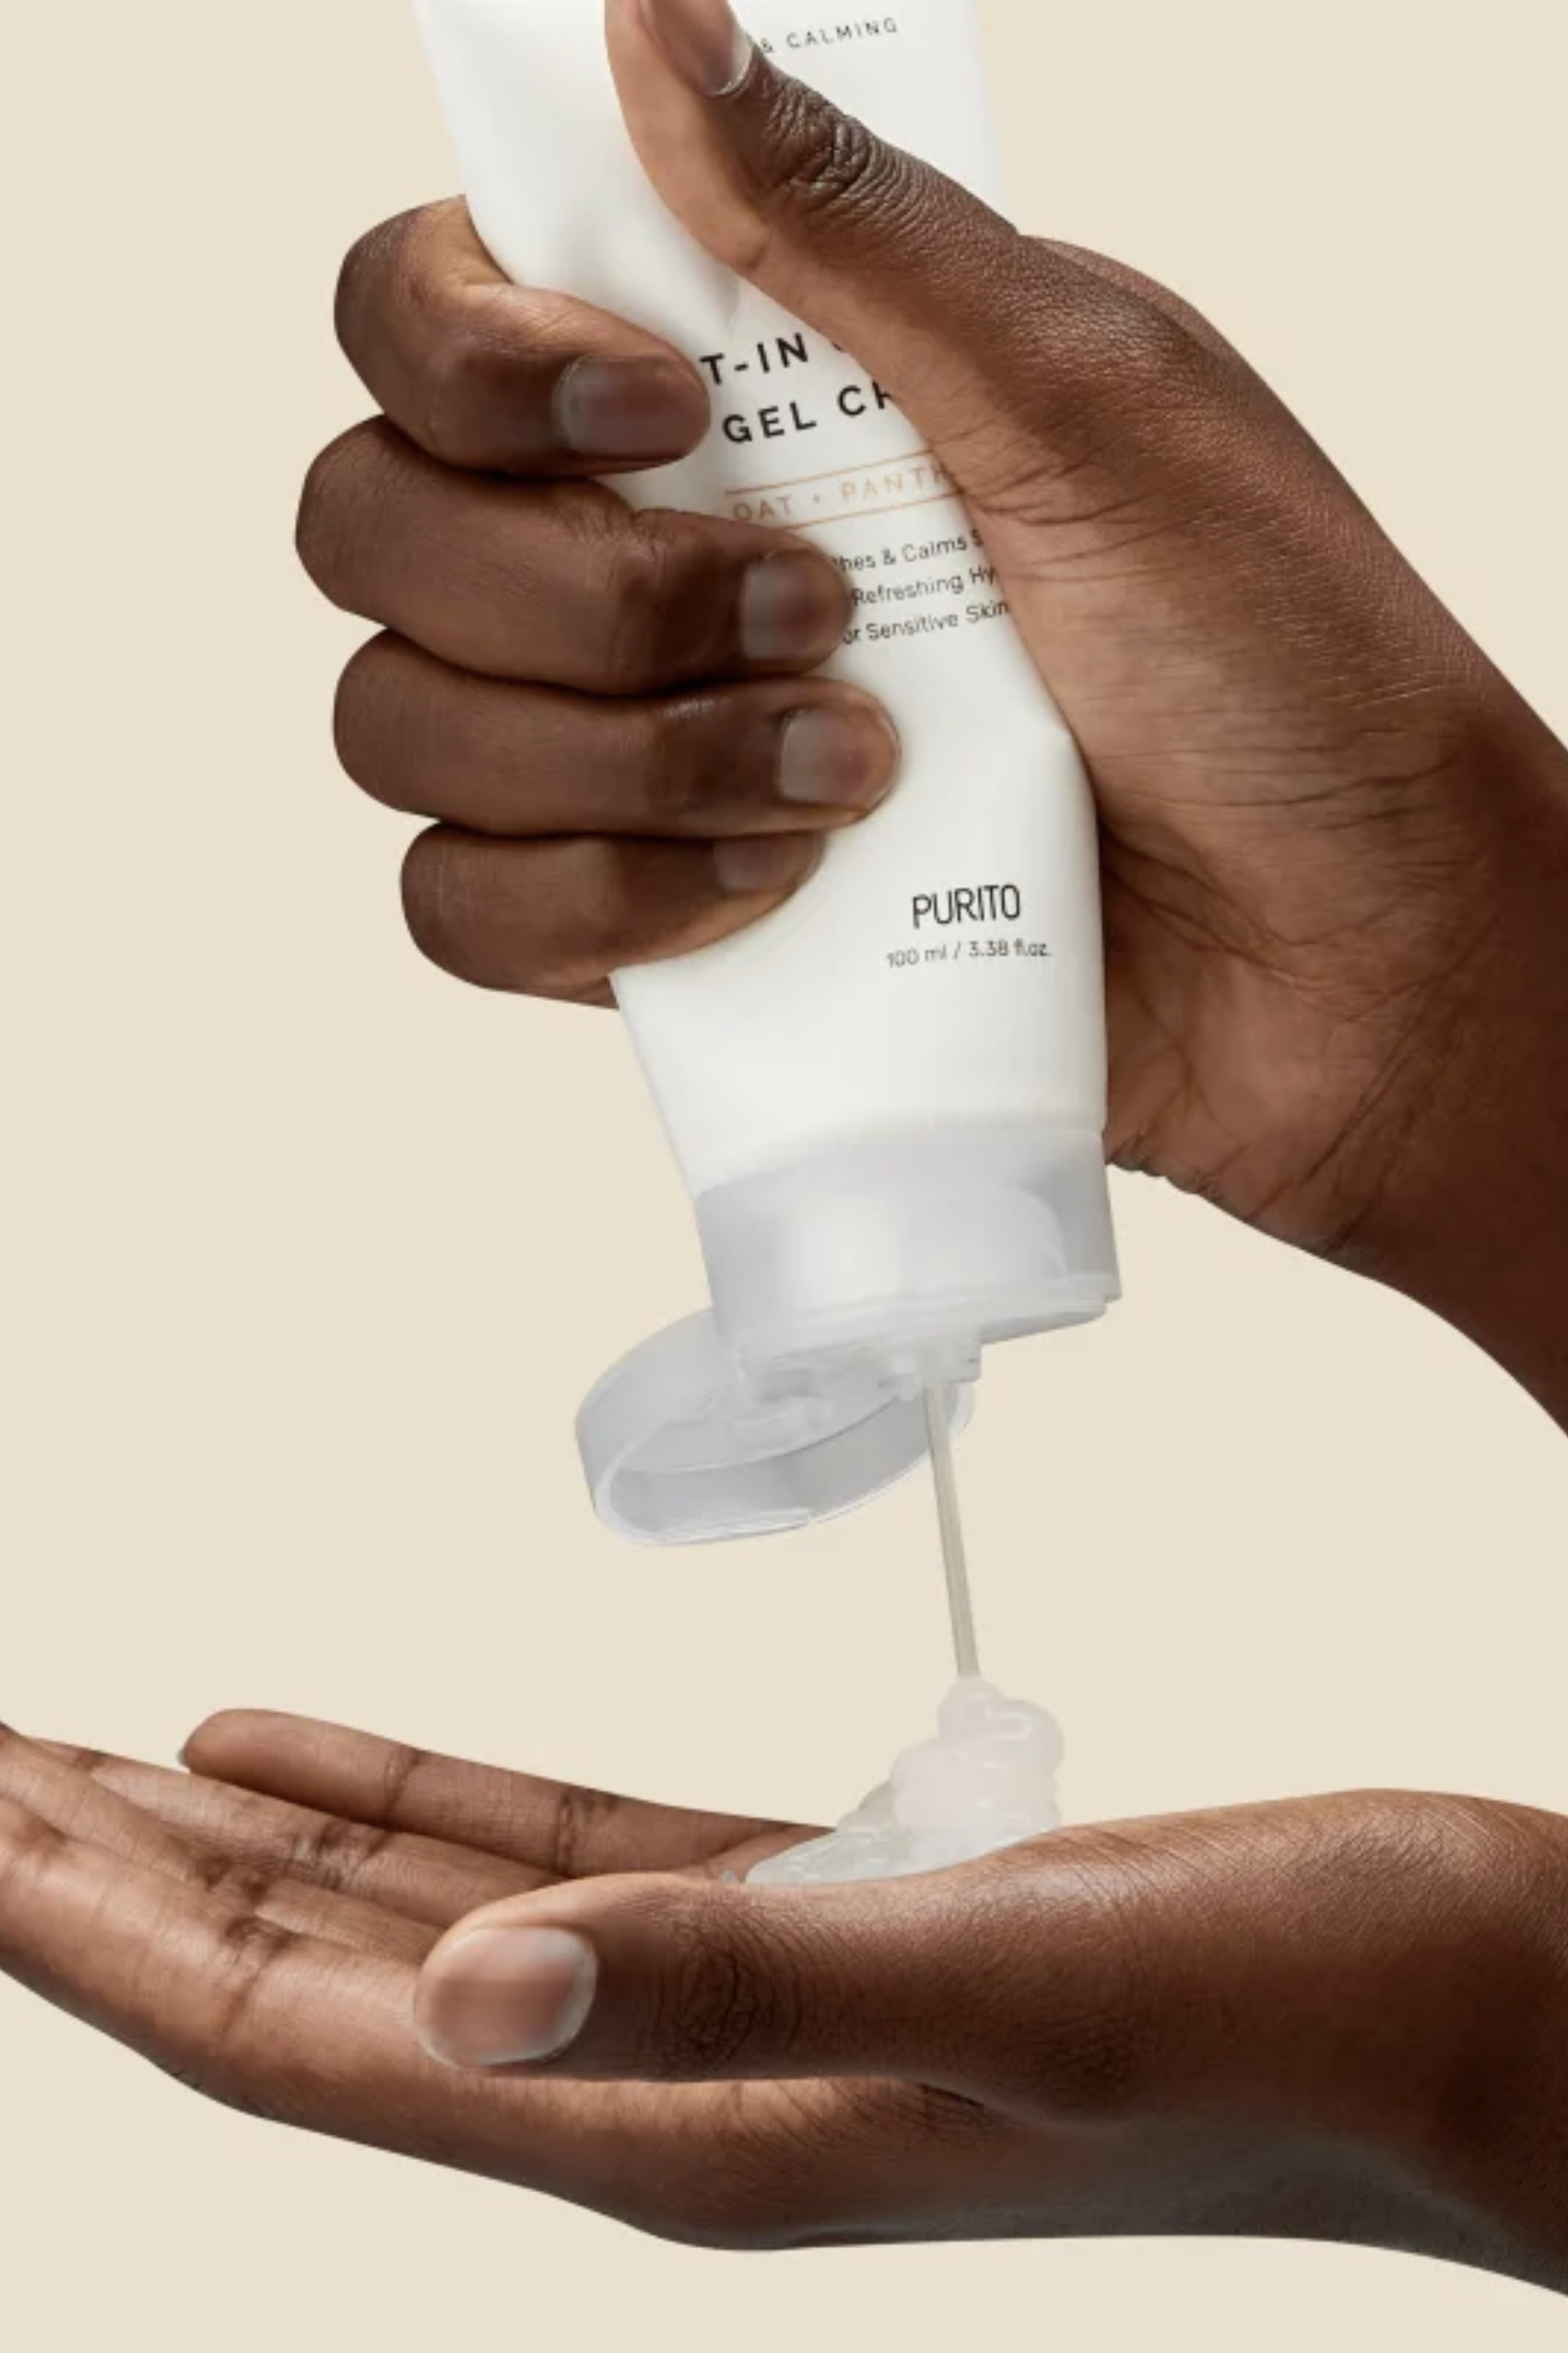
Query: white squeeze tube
[887,1099]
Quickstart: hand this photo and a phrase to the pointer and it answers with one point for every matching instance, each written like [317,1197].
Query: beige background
[308,1253]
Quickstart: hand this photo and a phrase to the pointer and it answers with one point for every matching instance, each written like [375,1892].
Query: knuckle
[363,715]
[470,388]
[552,932]
[1115,353]
[1146,346]
[594,927]
[30,1848]
[1109,411]
[726,1993]
[337,1855]
[576,1817]
[437,899]
[248,1887]
[820,162]
[249,1950]
[403,1769]
[675,781]
[332,507]
[443,352]
[653,601]
[708,2014]
[374,263]
[251,1943]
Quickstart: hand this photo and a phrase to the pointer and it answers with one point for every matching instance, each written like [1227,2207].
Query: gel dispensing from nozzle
[987,1781]
[949,1521]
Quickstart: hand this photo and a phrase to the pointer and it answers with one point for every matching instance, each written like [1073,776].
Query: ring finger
[556,919]
[66,1799]
[562,584]
[769,757]
[430,1882]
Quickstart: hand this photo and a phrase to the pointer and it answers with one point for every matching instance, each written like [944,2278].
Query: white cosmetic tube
[889,1099]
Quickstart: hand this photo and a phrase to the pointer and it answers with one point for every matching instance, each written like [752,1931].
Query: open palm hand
[1337,2017]
[256,1927]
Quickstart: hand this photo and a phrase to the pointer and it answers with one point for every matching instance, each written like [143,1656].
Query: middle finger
[427,1881]
[551,1827]
[68,1800]
[564,585]
[774,756]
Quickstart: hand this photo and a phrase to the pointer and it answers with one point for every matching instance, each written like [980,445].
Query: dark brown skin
[1336,837]
[1336,863]
[1341,2018]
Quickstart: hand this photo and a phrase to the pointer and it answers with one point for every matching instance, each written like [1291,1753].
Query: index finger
[551,1827]
[427,1880]
[501,378]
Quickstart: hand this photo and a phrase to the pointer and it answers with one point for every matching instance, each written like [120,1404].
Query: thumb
[679,1980]
[970,326]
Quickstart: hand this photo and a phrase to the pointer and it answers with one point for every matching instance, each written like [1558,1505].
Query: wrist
[1413,2075]
[1468,1216]
[1353,2026]
[1472,2118]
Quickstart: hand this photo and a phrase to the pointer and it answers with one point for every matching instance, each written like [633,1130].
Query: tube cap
[681,1448]
[845,1285]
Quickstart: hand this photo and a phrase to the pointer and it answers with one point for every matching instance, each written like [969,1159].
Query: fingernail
[836,759]
[766,865]
[507,1996]
[794,608]
[703,41]
[630,409]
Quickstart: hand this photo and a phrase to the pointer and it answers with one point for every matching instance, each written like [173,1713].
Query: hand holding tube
[1335,840]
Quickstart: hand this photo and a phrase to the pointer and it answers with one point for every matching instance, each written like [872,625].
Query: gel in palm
[988,1780]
